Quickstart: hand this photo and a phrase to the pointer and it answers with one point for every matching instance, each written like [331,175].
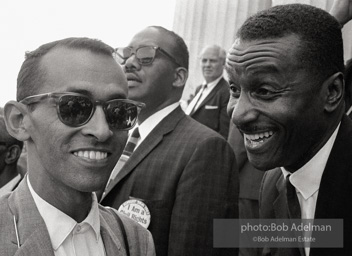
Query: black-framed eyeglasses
[75,109]
[145,55]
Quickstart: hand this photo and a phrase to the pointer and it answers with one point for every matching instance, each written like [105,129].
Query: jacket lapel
[33,235]
[37,244]
[111,242]
[281,212]
[167,125]
[280,202]
[210,95]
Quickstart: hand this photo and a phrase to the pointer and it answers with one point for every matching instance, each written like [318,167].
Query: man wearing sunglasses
[72,110]
[182,171]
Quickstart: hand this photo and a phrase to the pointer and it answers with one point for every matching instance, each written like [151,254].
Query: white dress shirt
[151,122]
[68,237]
[205,93]
[307,179]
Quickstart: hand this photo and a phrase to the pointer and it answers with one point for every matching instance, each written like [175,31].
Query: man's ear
[15,113]
[181,75]
[335,87]
[13,153]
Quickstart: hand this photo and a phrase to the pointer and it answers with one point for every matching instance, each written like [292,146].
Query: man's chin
[262,163]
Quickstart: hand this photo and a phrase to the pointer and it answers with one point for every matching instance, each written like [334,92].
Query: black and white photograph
[176,128]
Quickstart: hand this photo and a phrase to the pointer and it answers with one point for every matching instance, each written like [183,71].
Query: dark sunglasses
[145,55]
[75,109]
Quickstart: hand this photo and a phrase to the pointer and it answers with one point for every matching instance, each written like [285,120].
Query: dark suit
[212,110]
[250,181]
[186,174]
[34,237]
[334,198]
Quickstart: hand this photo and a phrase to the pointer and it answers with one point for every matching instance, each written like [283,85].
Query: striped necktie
[127,152]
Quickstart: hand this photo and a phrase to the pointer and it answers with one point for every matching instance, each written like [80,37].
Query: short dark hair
[32,75]
[6,137]
[321,46]
[180,48]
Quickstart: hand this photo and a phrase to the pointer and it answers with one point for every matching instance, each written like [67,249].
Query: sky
[25,25]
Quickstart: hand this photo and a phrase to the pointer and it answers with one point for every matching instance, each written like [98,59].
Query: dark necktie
[127,152]
[294,211]
[294,208]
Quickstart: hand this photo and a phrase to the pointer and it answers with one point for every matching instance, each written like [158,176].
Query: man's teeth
[255,140]
[95,155]
[258,136]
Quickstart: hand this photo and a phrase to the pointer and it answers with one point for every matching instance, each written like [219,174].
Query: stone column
[204,22]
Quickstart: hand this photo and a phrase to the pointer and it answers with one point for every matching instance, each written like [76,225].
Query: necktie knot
[131,143]
[198,96]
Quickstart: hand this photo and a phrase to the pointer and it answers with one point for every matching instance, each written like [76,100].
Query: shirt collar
[149,124]
[307,179]
[212,84]
[59,224]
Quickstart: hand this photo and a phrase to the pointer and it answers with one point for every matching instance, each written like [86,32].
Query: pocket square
[211,107]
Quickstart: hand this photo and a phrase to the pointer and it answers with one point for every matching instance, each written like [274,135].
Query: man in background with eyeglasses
[10,151]
[72,110]
[183,173]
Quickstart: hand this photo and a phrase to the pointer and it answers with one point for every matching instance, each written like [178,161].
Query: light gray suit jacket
[34,238]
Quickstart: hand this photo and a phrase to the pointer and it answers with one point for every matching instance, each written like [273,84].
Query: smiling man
[72,110]
[287,87]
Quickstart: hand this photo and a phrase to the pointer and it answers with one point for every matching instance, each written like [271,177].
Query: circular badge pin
[137,211]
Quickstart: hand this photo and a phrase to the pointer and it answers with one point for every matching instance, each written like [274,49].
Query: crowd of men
[114,166]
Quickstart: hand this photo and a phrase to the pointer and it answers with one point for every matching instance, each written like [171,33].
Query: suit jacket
[212,111]
[34,237]
[334,198]
[186,174]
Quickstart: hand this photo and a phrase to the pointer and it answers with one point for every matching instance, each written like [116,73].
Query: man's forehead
[79,70]
[264,52]
[210,53]
[281,43]
[152,36]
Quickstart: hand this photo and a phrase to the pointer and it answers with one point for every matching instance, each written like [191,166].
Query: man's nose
[244,110]
[97,126]
[131,63]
